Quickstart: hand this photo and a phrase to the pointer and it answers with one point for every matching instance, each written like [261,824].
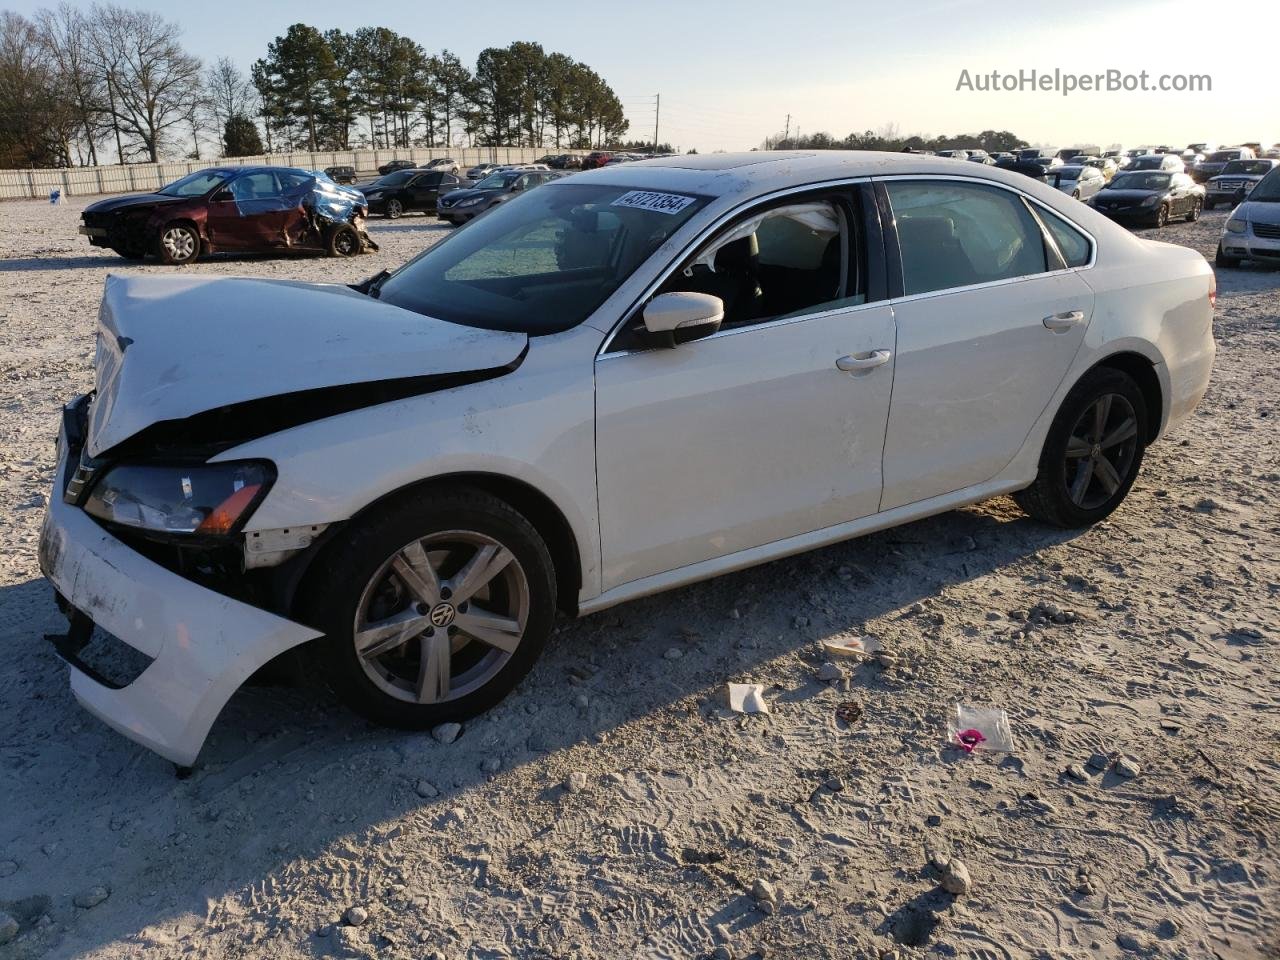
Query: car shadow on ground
[25,264]
[287,773]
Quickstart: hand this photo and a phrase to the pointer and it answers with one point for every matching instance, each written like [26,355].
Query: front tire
[178,244]
[1194,215]
[130,253]
[395,209]
[1162,215]
[433,608]
[344,241]
[1092,454]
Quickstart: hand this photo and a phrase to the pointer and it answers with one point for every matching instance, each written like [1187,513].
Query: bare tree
[229,92]
[36,115]
[65,34]
[151,81]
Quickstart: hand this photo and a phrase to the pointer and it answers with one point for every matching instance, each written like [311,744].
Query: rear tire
[358,593]
[1073,486]
[1222,260]
[178,244]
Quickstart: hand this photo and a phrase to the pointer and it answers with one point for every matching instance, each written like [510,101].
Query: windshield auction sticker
[657,202]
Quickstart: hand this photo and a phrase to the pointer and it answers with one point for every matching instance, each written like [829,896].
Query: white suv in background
[618,383]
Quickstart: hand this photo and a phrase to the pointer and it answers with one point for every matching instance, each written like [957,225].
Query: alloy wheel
[1100,451]
[179,243]
[1162,217]
[394,209]
[345,243]
[441,617]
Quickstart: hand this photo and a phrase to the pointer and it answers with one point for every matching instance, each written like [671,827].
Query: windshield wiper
[371,286]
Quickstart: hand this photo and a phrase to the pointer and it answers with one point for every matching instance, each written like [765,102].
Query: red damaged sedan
[224,209]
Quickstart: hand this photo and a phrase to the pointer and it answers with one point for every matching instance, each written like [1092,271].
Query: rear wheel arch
[1143,372]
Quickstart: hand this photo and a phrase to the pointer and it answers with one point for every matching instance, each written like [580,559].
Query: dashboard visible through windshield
[543,262]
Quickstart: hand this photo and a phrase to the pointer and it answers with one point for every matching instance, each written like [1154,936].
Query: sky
[729,72]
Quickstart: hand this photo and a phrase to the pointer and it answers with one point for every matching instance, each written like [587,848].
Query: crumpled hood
[169,348]
[131,200]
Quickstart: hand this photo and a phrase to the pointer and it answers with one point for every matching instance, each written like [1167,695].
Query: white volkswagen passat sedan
[618,383]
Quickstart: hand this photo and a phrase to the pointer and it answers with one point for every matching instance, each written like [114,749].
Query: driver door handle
[870,361]
[1064,321]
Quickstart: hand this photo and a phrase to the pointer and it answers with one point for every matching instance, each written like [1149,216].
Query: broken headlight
[205,499]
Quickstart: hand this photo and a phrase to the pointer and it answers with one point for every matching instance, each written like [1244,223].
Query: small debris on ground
[356,916]
[88,899]
[747,698]
[447,732]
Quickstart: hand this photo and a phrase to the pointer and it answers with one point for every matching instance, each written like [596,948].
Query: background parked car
[1236,180]
[1168,162]
[341,174]
[1078,180]
[398,193]
[1252,232]
[395,165]
[1153,196]
[481,170]
[1107,165]
[596,158]
[1213,164]
[468,203]
[954,154]
[250,209]
[981,156]
[444,164]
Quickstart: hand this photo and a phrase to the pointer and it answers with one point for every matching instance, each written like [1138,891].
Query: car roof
[756,173]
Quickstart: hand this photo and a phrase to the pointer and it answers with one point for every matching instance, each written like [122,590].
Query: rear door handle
[1064,321]
[870,361]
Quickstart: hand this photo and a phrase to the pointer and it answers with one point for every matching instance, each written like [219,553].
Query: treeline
[888,138]
[107,83]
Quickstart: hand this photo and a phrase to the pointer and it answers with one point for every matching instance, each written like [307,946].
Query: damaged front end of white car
[145,536]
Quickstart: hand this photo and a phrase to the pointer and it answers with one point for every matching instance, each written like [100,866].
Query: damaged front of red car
[233,209]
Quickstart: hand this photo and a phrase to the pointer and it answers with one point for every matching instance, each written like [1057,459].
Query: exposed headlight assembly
[206,499]
[1152,201]
[1237,226]
[470,201]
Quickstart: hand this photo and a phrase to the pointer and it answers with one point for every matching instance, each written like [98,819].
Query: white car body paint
[246,339]
[669,465]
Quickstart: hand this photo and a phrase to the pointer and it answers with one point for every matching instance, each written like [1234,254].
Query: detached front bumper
[203,645]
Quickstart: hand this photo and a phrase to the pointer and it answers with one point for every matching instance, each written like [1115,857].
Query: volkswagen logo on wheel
[442,614]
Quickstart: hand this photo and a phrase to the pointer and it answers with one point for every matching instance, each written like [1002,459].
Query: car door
[989,318]
[422,191]
[252,217]
[770,428]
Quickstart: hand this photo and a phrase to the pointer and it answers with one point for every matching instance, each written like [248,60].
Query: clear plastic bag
[979,728]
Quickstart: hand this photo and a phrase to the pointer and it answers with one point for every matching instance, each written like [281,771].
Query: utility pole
[787,136]
[657,104]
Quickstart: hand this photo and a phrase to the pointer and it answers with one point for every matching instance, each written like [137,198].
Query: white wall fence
[134,177]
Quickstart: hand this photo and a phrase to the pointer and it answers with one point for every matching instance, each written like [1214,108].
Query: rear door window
[954,234]
[1072,244]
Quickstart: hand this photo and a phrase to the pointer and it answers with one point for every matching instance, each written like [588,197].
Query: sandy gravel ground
[611,809]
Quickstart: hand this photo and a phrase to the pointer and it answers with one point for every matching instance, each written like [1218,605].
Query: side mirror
[682,316]
[222,195]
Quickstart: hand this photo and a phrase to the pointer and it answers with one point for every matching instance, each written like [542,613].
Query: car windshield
[542,263]
[1068,173]
[1140,181]
[1224,156]
[496,181]
[195,184]
[1253,167]
[1268,189]
[395,179]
